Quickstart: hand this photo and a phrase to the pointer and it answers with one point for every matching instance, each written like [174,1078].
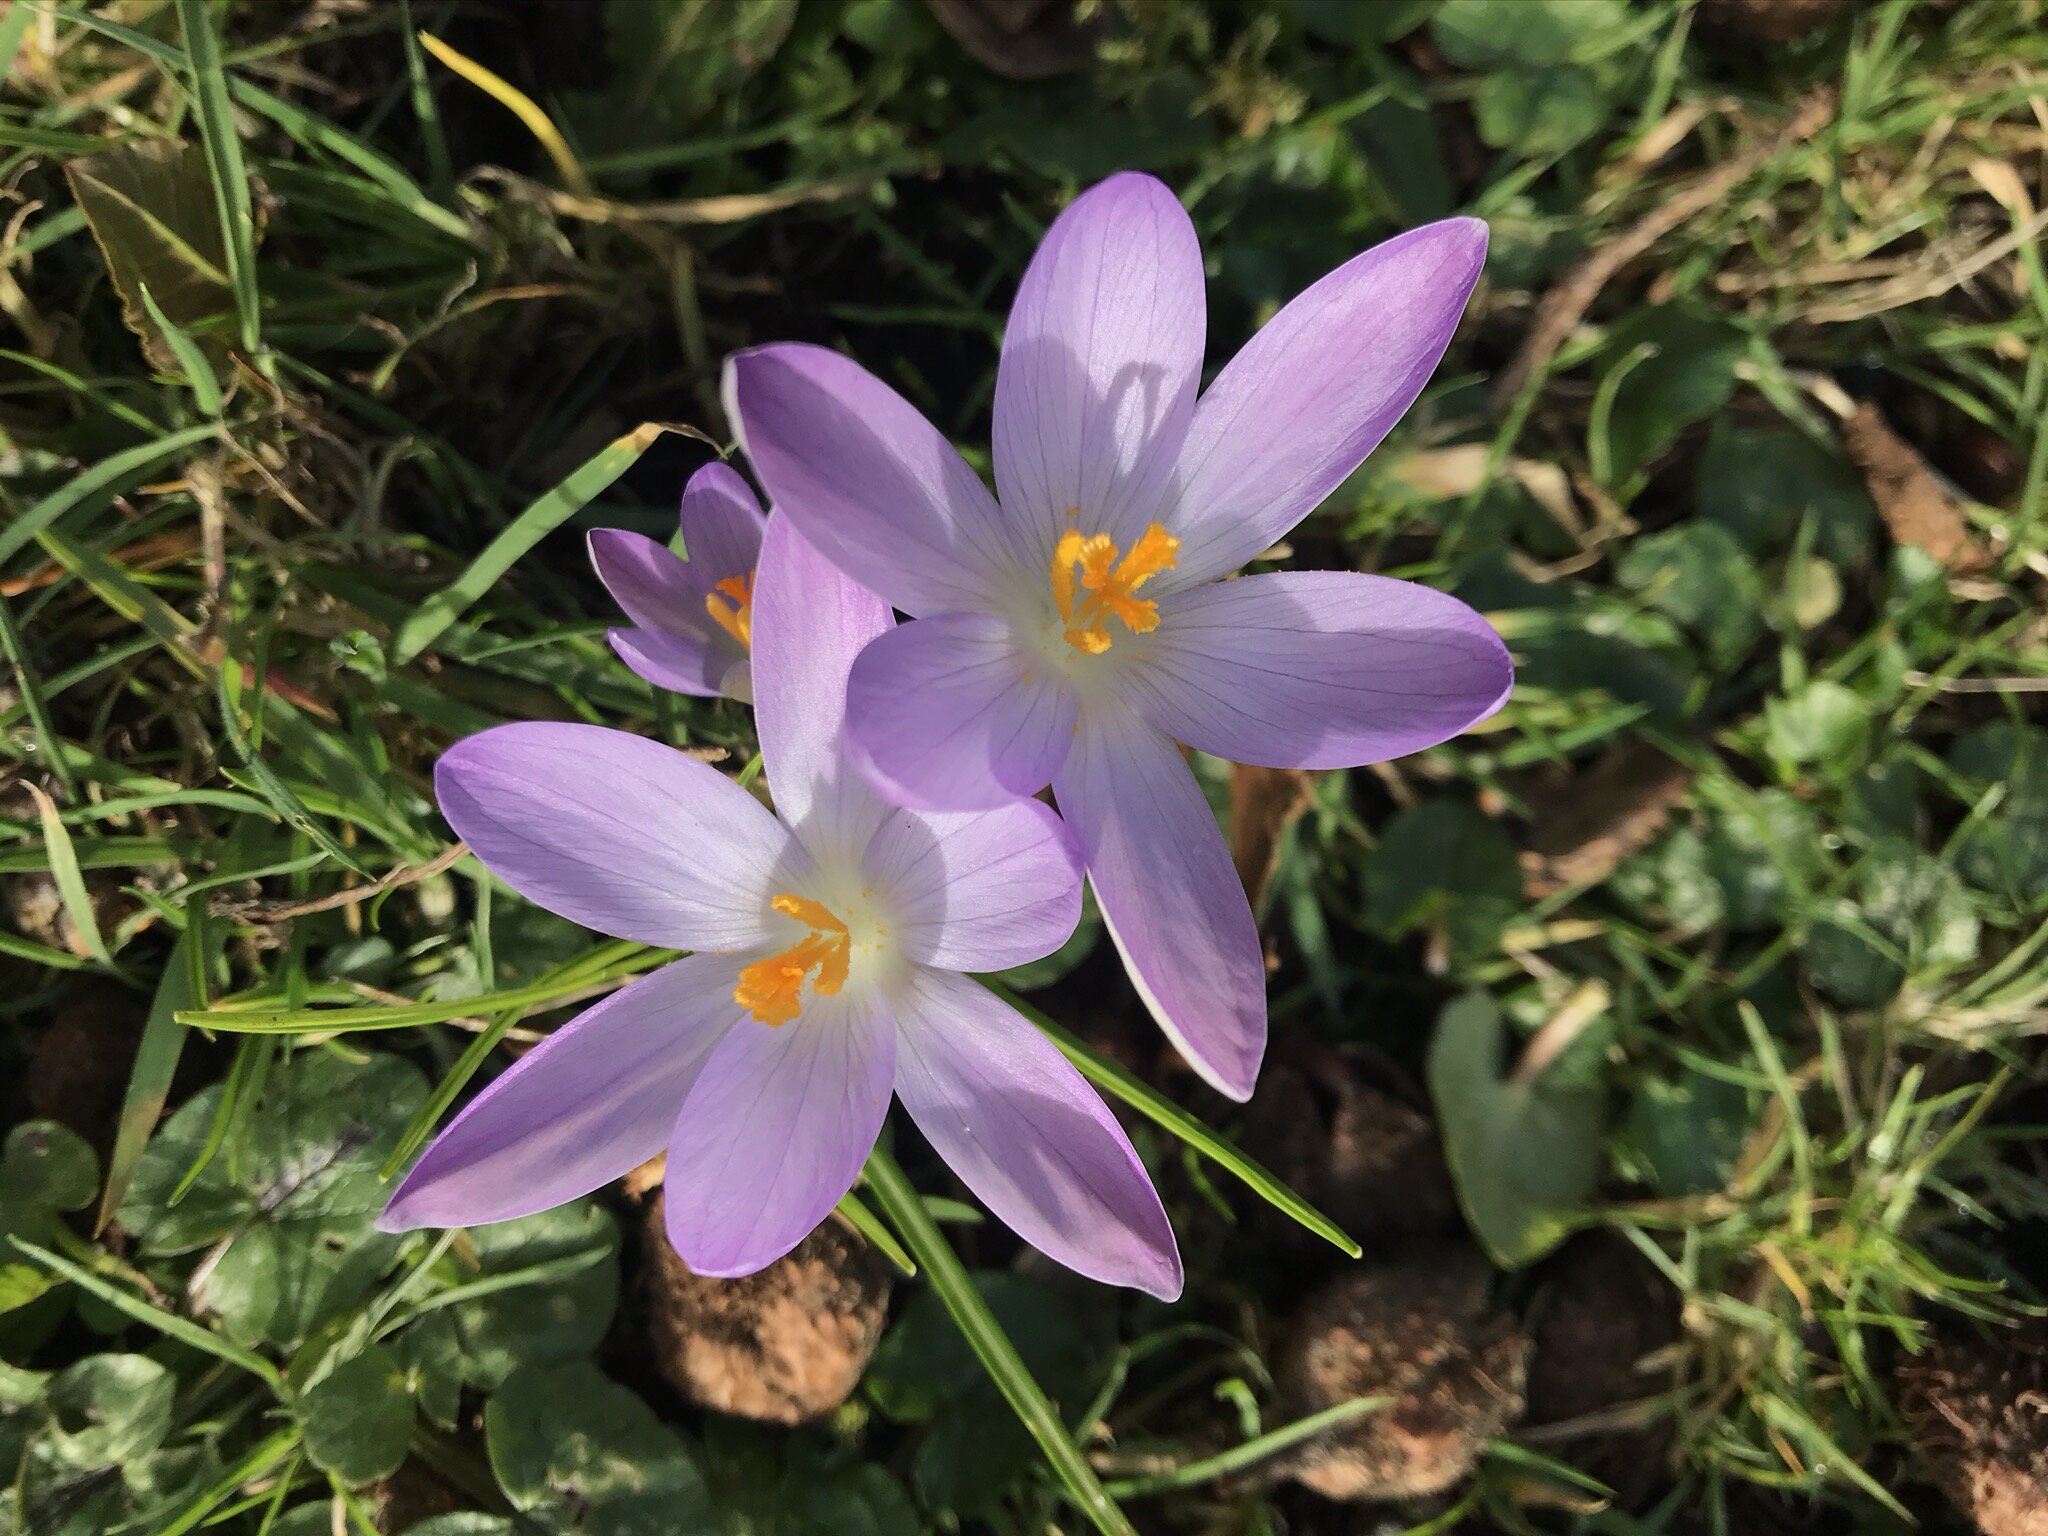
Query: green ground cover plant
[1651,1135]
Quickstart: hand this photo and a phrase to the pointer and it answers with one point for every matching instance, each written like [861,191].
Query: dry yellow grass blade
[521,105]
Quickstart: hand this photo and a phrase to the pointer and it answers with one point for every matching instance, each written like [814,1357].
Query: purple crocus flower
[692,619]
[1076,630]
[829,950]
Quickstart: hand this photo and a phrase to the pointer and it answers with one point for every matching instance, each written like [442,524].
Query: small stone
[1977,1407]
[786,1345]
[1422,1332]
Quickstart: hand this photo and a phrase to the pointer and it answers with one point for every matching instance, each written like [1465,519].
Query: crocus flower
[692,618]
[829,950]
[1074,630]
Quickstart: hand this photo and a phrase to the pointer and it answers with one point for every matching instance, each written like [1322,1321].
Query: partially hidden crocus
[1076,627]
[829,938]
[692,618]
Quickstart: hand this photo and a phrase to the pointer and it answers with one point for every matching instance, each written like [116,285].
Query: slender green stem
[182,1329]
[869,1226]
[985,1336]
[1253,1451]
[1163,1112]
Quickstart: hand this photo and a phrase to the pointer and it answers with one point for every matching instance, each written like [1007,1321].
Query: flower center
[771,989]
[735,615]
[1107,586]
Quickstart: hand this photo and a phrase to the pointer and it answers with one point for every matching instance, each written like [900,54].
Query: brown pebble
[1423,1333]
[1977,1406]
[785,1345]
[1584,824]
[37,910]
[1915,507]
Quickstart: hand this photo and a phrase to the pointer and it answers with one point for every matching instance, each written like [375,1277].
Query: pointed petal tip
[1464,241]
[410,1208]
[1167,1282]
[1236,1080]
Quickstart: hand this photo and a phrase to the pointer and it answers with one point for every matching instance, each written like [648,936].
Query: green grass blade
[13,28]
[198,371]
[169,1324]
[1249,1454]
[237,1094]
[69,877]
[264,777]
[84,388]
[318,133]
[32,701]
[440,170]
[338,1021]
[228,171]
[266,1454]
[112,585]
[1163,1112]
[39,954]
[429,1114]
[547,1272]
[99,853]
[949,1278]
[99,485]
[156,1057]
[426,622]
[869,1226]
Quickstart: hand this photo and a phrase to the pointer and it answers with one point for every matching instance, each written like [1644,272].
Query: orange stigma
[1107,587]
[771,990]
[737,618]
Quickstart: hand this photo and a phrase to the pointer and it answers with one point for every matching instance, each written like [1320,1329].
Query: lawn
[1651,1133]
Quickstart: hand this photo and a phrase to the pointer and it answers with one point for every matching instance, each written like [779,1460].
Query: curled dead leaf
[1912,502]
[1264,803]
[1597,818]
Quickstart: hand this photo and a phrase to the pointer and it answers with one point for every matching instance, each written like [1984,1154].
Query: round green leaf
[1540,111]
[49,1165]
[579,1452]
[1524,1156]
[568,1260]
[110,1409]
[357,1418]
[1824,723]
[1476,33]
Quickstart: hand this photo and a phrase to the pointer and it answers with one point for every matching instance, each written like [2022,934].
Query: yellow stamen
[738,619]
[1110,585]
[771,990]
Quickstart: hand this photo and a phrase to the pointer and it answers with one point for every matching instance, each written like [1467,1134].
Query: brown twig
[1566,303]
[279,911]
